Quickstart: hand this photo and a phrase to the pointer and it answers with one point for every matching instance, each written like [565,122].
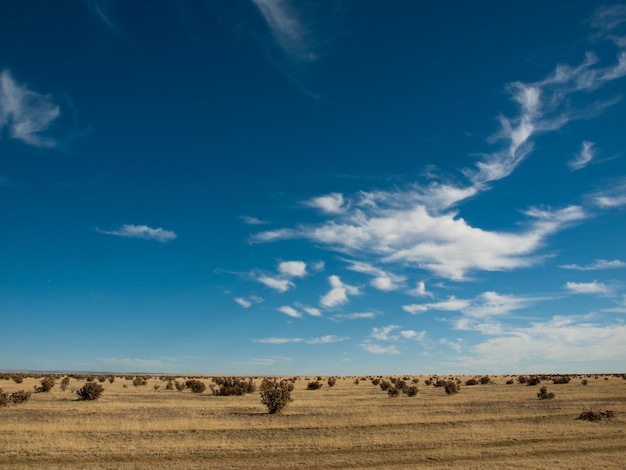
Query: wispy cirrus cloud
[287,28]
[249,220]
[243,302]
[383,280]
[25,114]
[596,265]
[417,226]
[141,231]
[612,197]
[352,316]
[584,157]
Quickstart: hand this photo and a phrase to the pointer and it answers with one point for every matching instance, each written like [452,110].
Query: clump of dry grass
[590,415]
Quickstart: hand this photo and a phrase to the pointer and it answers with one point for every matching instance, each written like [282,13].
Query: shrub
[543,394]
[393,392]
[452,387]
[590,415]
[4,398]
[111,379]
[356,382]
[139,381]
[276,395]
[20,396]
[315,385]
[410,391]
[18,379]
[196,386]
[564,379]
[232,386]
[440,383]
[472,381]
[484,380]
[584,382]
[169,385]
[180,386]
[46,385]
[385,385]
[101,378]
[332,381]
[534,380]
[522,379]
[428,381]
[64,383]
[375,382]
[510,381]
[90,391]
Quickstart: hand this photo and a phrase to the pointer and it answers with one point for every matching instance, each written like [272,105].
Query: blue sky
[279,187]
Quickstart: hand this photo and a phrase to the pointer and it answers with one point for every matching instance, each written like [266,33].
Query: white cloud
[415,308]
[352,316]
[314,312]
[596,265]
[491,303]
[274,340]
[327,339]
[281,285]
[413,335]
[292,268]
[338,294]
[420,290]
[583,158]
[620,308]
[332,203]
[290,311]
[378,349]
[457,345]
[251,220]
[141,231]
[25,113]
[594,287]
[612,197]
[384,333]
[243,302]
[383,281]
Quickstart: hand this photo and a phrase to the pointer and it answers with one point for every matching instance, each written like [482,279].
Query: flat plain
[349,425]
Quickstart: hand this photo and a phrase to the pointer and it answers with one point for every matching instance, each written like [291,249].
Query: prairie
[349,425]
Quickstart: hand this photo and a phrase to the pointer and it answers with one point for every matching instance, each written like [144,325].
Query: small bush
[510,381]
[196,386]
[472,381]
[20,396]
[46,385]
[522,379]
[102,378]
[452,387]
[543,394]
[563,379]
[534,380]
[18,379]
[315,385]
[584,382]
[4,398]
[64,383]
[232,386]
[90,391]
[139,381]
[410,391]
[276,395]
[393,392]
[180,386]
[169,385]
[384,385]
[375,382]
[590,415]
[332,381]
[356,381]
[484,380]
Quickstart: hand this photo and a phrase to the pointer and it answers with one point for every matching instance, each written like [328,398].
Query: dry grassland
[346,426]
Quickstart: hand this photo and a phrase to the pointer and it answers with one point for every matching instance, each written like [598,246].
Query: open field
[347,426]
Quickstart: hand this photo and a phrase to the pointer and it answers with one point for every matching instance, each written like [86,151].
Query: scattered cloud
[278,284]
[383,281]
[290,311]
[583,158]
[451,305]
[594,287]
[314,312]
[338,294]
[352,316]
[243,302]
[491,303]
[141,231]
[378,349]
[332,203]
[25,114]
[415,308]
[327,339]
[596,265]
[252,220]
[384,333]
[612,197]
[292,268]
[413,335]
[420,290]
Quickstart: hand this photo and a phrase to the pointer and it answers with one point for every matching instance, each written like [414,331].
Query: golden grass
[346,426]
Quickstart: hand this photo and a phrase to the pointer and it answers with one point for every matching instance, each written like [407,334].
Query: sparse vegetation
[472,381]
[410,391]
[65,381]
[90,391]
[275,394]
[590,415]
[543,394]
[227,386]
[196,386]
[332,381]
[452,387]
[314,385]
[140,381]
[45,385]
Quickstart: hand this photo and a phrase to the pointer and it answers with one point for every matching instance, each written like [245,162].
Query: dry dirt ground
[347,426]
